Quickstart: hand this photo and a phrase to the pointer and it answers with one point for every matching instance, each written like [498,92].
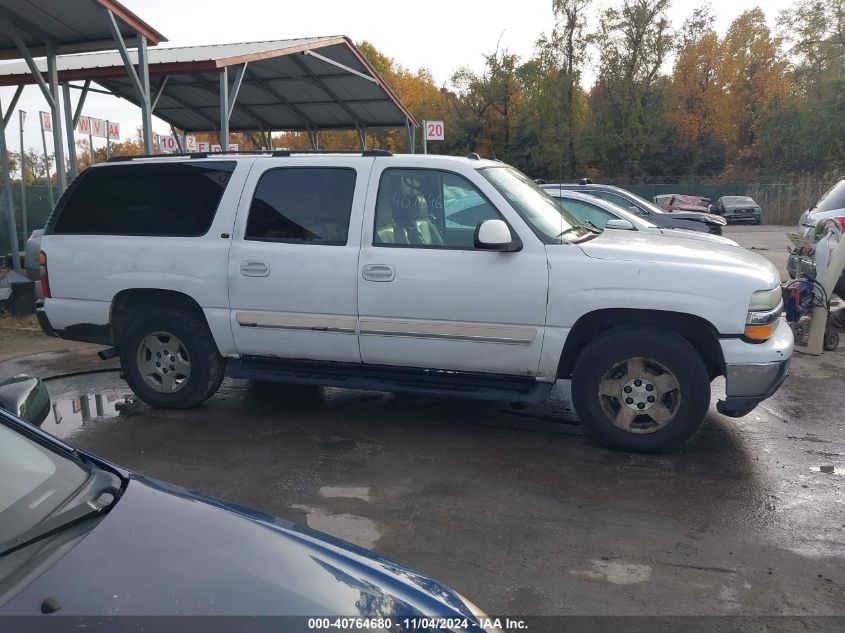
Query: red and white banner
[46,122]
[98,127]
[191,144]
[114,129]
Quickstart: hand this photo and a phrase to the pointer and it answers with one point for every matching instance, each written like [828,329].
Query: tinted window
[833,199]
[151,199]
[428,208]
[302,204]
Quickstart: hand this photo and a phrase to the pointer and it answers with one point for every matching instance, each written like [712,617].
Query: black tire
[206,364]
[663,352]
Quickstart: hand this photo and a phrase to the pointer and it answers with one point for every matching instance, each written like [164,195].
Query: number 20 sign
[434,131]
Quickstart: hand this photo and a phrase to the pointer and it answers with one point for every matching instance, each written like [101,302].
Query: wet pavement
[515,508]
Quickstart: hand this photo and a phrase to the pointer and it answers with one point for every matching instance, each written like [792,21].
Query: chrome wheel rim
[163,362]
[640,395]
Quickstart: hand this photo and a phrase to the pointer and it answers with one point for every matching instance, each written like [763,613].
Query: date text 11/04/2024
[417,624]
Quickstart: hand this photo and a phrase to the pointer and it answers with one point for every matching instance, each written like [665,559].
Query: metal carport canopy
[34,28]
[70,26]
[318,83]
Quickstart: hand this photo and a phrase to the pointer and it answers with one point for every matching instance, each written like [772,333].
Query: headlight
[764,310]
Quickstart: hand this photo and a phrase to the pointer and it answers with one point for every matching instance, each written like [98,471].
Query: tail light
[45,279]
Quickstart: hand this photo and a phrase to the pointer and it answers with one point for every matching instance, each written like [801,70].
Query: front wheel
[640,389]
[170,359]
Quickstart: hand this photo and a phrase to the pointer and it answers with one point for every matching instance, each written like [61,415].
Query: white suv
[432,274]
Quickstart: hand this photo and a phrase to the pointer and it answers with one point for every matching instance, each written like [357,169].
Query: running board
[440,382]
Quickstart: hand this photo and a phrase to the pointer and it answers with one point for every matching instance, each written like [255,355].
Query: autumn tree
[753,75]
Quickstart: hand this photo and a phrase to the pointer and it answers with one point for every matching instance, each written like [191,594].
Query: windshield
[737,200]
[834,198]
[536,206]
[34,482]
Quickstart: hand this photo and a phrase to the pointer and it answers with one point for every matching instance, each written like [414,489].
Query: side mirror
[26,397]
[635,209]
[619,223]
[494,235]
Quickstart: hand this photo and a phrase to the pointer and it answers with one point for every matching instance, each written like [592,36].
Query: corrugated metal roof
[72,25]
[285,86]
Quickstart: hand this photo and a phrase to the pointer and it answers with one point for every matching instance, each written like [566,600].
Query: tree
[752,74]
[695,87]
[814,30]
[628,98]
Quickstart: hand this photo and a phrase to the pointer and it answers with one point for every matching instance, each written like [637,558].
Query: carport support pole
[146,106]
[22,117]
[58,143]
[223,137]
[10,202]
[71,141]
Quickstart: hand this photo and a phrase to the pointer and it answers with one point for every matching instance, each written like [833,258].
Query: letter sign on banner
[114,129]
[167,144]
[191,144]
[83,126]
[98,127]
[216,148]
[202,146]
[434,131]
[233,147]
[46,122]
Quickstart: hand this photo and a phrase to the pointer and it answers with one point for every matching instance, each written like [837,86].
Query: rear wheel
[170,359]
[640,389]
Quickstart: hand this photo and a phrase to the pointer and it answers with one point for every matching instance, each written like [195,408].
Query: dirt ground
[515,508]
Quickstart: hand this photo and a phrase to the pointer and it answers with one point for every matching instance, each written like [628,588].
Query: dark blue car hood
[162,550]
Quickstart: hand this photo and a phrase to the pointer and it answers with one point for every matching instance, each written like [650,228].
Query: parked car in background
[830,205]
[693,221]
[674,203]
[606,215]
[738,210]
[174,552]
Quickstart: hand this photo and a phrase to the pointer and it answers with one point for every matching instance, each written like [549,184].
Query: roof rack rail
[276,153]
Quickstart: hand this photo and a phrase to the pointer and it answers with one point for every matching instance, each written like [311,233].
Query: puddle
[616,572]
[71,413]
[350,527]
[829,470]
[346,492]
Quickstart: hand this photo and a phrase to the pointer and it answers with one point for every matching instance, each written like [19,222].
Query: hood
[165,551]
[731,207]
[633,246]
[709,218]
[698,235]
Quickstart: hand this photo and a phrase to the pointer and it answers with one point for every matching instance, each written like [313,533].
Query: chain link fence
[37,210]
[782,202]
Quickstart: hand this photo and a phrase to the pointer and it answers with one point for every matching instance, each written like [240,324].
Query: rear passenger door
[293,264]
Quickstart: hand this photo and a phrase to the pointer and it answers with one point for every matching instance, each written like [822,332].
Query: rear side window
[173,199]
[302,204]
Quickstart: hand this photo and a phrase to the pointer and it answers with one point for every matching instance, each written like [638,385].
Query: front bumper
[754,371]
[746,386]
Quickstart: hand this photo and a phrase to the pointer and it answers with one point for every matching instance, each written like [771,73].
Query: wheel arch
[699,332]
[128,303]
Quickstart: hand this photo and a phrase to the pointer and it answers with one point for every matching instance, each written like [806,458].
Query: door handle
[378,272]
[255,268]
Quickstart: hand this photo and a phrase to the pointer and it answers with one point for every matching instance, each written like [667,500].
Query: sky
[440,35]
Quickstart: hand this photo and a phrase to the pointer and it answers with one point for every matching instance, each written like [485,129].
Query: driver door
[427,297]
